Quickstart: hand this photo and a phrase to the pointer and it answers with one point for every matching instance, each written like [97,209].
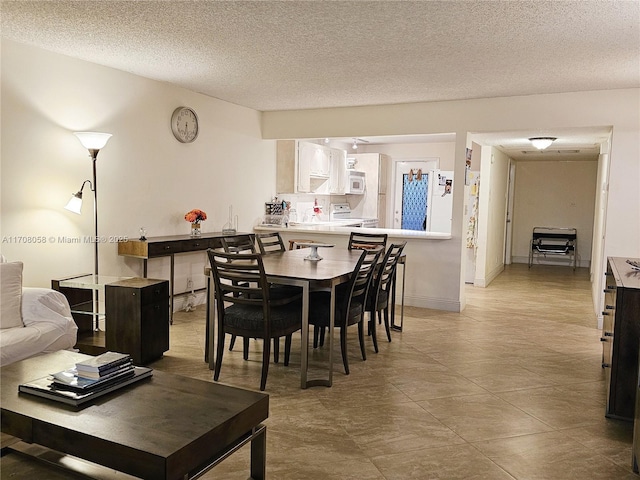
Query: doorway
[411,192]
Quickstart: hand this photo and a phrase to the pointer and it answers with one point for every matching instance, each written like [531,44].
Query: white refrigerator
[440,201]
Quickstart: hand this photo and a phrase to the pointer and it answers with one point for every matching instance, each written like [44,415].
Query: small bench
[554,241]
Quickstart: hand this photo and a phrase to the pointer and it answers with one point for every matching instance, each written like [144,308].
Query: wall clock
[184,124]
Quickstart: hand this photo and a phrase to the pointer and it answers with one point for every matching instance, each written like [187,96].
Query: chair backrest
[270,243]
[387,268]
[238,244]
[239,278]
[366,241]
[360,280]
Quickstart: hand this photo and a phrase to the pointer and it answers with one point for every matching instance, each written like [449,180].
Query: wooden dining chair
[270,243]
[350,303]
[246,309]
[367,240]
[379,297]
[238,244]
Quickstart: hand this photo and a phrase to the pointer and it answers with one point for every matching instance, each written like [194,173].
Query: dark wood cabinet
[620,338]
[136,315]
[138,318]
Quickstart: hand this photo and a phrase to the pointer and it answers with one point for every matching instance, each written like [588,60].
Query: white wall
[615,108]
[145,177]
[554,194]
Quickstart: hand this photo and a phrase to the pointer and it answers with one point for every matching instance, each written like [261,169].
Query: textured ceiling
[282,55]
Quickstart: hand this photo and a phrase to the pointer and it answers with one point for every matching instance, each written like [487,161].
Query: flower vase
[195,230]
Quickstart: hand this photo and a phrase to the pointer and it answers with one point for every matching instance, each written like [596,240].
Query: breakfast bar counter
[430,280]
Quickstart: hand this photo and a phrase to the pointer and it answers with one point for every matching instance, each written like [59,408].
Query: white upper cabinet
[304,167]
[318,158]
[338,171]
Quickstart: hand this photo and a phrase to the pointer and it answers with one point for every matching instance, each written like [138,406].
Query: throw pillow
[10,295]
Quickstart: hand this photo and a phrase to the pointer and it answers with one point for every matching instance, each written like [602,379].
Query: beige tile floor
[511,388]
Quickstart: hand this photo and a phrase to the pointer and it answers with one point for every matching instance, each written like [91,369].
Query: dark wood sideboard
[620,337]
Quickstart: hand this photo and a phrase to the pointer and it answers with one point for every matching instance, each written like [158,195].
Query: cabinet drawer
[155,294]
[161,249]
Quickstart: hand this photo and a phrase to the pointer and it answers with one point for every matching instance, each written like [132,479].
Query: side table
[136,314]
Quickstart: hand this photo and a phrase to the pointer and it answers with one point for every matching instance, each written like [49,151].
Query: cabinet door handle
[606,313]
[608,334]
[609,307]
[606,365]
[602,339]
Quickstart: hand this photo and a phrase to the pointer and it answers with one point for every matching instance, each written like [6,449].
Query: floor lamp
[92,141]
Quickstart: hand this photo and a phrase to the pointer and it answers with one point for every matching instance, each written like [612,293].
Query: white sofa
[32,320]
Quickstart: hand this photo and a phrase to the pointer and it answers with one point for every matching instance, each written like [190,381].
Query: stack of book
[89,379]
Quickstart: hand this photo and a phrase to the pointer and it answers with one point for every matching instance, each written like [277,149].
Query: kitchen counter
[327,228]
[430,282]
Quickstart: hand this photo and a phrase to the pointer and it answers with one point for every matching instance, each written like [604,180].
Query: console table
[169,246]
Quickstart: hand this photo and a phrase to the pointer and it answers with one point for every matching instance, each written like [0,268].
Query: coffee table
[164,427]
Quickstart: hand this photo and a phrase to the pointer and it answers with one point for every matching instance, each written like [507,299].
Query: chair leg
[245,348]
[287,350]
[386,323]
[276,350]
[361,339]
[266,354]
[322,330]
[343,348]
[372,328]
[232,342]
[316,333]
[216,370]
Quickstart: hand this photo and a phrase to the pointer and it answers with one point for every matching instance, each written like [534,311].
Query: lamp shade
[75,203]
[542,142]
[93,140]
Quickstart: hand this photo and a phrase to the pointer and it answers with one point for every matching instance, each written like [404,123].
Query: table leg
[304,346]
[393,324]
[259,454]
[211,327]
[172,282]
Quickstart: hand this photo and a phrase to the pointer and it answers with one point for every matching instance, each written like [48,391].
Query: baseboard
[431,302]
[483,282]
[552,260]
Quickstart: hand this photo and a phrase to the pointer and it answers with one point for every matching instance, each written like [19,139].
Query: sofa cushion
[10,295]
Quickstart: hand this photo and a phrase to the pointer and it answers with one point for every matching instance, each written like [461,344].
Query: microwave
[355,182]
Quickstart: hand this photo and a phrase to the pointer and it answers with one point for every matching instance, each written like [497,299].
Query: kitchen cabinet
[338,171]
[304,167]
[620,338]
[373,204]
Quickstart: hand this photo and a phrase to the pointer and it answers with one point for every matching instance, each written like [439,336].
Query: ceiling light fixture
[355,144]
[542,142]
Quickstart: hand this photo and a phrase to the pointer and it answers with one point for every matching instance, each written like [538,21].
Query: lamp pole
[94,141]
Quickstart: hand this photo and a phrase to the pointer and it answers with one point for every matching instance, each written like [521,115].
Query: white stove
[342,212]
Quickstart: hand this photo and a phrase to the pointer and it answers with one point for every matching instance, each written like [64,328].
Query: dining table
[299,268]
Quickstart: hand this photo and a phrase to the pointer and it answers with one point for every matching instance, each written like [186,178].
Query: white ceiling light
[355,144]
[542,142]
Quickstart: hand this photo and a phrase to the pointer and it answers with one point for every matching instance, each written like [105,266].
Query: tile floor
[511,388]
